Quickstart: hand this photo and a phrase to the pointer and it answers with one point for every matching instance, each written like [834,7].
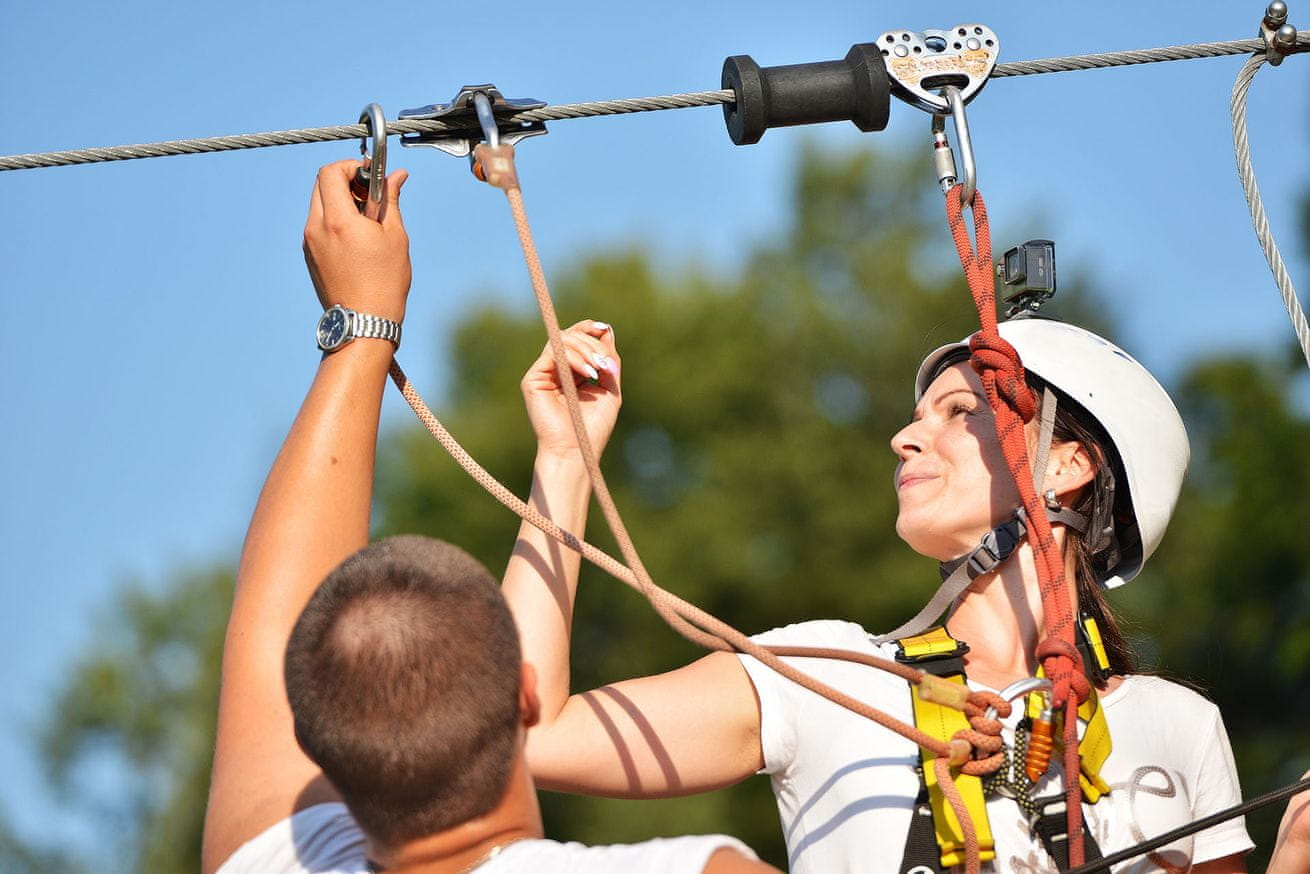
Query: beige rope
[495,165]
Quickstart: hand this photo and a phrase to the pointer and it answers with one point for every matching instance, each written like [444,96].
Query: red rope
[998,365]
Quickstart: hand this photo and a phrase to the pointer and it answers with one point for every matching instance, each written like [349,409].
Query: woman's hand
[594,362]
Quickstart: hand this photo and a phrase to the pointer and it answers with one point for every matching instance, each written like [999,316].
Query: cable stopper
[853,89]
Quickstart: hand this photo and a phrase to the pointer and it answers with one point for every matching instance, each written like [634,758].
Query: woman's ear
[1068,468]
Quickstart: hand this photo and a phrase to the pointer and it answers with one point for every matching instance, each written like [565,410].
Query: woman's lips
[906,480]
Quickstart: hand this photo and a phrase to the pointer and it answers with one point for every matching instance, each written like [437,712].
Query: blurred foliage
[1225,603]
[130,738]
[752,465]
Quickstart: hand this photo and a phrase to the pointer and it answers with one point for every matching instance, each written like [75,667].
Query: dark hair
[403,677]
[1106,506]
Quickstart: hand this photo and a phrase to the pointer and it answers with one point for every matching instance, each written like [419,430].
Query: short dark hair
[403,676]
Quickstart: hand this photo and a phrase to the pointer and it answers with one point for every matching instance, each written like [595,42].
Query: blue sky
[159,322]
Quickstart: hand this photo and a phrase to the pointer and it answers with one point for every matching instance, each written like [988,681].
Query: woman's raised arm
[686,731]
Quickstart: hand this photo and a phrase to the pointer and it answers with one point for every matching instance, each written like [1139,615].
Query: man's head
[403,675]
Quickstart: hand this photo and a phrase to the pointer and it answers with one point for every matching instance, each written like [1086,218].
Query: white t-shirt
[325,839]
[846,786]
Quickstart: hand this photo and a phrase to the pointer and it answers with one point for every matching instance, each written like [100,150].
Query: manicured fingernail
[602,326]
[591,372]
[604,362]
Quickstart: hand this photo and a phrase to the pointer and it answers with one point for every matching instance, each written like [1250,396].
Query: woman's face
[952,483]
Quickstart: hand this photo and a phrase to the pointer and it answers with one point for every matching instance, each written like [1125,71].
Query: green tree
[141,704]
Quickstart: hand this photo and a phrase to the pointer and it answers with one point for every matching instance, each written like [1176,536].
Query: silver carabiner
[942,154]
[486,118]
[1017,688]
[369,186]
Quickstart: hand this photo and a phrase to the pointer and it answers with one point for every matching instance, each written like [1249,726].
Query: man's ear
[529,704]
[1069,468]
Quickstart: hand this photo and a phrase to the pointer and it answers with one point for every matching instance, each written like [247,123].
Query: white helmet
[1133,409]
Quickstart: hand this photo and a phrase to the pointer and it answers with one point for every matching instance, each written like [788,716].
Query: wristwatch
[339,326]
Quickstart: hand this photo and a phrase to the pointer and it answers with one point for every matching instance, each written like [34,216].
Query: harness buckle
[921,64]
[479,120]
[997,545]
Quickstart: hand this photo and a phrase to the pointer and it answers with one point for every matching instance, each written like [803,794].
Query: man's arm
[312,513]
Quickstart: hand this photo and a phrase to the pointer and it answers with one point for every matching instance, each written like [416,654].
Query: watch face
[332,328]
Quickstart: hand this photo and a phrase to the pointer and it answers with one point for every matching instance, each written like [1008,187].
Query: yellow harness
[938,653]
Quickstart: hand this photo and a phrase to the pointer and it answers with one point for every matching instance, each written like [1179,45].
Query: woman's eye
[957,409]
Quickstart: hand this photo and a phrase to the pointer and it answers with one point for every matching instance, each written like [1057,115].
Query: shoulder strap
[936,652]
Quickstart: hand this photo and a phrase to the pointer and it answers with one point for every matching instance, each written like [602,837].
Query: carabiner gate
[369,186]
[942,155]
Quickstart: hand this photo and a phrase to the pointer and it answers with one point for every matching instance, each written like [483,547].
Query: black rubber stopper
[853,88]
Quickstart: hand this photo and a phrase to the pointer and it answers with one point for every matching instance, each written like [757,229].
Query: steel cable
[1246,173]
[565,111]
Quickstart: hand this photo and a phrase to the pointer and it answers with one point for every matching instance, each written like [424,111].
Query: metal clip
[1279,36]
[369,187]
[942,154]
[463,109]
[1017,688]
[921,64]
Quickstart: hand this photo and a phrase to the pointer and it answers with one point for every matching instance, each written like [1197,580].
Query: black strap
[1052,826]
[922,855]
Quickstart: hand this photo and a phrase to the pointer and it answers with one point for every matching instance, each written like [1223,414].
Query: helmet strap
[1044,439]
[998,544]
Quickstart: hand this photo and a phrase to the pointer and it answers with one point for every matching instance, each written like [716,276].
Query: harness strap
[933,843]
[941,655]
[1052,827]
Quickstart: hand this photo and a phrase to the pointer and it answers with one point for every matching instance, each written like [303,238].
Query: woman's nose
[908,441]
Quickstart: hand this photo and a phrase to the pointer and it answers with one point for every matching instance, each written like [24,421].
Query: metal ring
[1017,688]
[375,159]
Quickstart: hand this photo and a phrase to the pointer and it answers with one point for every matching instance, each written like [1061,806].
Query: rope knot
[1067,675]
[979,750]
[992,353]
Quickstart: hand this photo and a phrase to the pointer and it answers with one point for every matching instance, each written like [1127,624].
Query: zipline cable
[565,111]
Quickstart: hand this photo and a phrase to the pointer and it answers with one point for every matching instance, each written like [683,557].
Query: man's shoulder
[323,839]
[672,855]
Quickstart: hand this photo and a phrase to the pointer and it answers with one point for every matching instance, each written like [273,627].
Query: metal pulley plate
[919,65]
[461,110]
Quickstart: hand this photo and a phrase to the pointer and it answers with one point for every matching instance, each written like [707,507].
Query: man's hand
[354,261]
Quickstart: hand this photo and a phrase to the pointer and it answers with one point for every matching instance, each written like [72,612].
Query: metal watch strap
[376,327]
